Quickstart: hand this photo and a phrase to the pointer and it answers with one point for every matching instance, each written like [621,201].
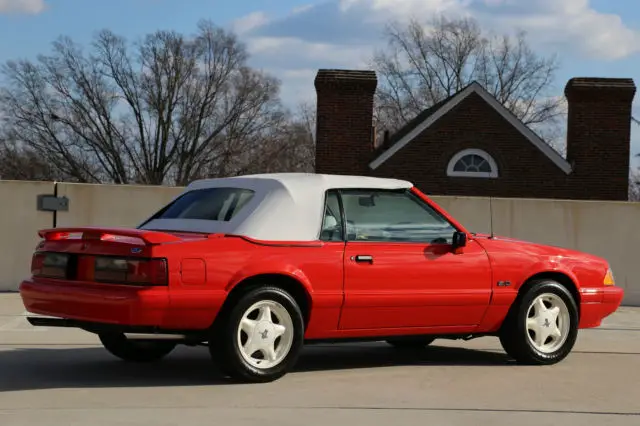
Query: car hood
[535,248]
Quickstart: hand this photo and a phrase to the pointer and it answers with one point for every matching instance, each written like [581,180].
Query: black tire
[136,351]
[225,349]
[515,336]
[410,342]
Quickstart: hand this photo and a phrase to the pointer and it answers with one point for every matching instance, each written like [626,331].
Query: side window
[394,217]
[331,220]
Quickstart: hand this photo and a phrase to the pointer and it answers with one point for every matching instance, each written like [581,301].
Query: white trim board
[475,87]
[473,151]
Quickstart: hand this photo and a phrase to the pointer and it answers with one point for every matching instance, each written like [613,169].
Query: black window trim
[343,227]
[406,191]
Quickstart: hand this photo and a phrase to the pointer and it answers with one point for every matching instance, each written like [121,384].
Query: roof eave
[475,87]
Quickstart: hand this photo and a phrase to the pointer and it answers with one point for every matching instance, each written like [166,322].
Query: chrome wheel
[548,322]
[265,334]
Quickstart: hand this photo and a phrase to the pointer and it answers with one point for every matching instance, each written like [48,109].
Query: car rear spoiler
[93,233]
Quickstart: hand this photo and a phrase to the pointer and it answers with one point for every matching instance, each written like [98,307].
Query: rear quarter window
[220,204]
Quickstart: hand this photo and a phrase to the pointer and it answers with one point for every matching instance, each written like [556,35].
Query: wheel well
[286,283]
[563,279]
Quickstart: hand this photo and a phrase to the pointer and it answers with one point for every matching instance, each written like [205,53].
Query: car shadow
[376,355]
[88,367]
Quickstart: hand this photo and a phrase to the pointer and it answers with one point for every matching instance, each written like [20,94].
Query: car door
[400,269]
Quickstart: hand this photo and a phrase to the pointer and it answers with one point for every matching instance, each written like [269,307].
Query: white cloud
[301,51]
[386,9]
[22,6]
[344,33]
[571,24]
[249,22]
[300,9]
[299,85]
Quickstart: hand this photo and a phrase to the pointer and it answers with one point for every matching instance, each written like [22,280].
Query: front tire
[135,351]
[261,337]
[542,325]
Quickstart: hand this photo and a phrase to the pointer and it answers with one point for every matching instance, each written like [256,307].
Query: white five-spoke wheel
[265,334]
[259,337]
[548,322]
[542,324]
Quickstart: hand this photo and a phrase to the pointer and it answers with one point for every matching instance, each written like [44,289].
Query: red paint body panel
[408,288]
[606,302]
[124,305]
[415,285]
[193,272]
[148,237]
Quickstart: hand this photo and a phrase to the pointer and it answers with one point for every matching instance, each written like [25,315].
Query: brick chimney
[344,121]
[598,136]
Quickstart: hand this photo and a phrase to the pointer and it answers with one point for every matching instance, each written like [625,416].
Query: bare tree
[634,186]
[634,183]
[302,139]
[291,147]
[420,67]
[20,163]
[167,109]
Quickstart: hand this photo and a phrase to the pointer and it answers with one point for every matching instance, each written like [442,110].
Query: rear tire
[542,325]
[260,338]
[410,342]
[135,351]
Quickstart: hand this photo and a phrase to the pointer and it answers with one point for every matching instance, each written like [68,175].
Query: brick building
[469,144]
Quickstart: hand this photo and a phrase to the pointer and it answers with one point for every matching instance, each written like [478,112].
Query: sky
[291,39]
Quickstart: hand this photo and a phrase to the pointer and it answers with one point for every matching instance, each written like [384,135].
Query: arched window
[472,163]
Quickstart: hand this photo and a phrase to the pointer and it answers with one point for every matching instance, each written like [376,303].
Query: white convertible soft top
[285,206]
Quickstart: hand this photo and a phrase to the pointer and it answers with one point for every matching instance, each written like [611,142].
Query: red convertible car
[256,266]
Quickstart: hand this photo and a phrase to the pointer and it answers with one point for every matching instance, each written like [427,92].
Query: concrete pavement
[60,377]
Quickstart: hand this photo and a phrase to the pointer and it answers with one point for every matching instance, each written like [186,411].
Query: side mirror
[459,240]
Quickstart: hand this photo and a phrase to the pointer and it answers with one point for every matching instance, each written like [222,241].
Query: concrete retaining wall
[112,205]
[19,224]
[607,229]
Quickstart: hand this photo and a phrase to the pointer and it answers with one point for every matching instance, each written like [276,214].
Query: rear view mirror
[366,201]
[459,240]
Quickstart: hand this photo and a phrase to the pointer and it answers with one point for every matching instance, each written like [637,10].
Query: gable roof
[428,117]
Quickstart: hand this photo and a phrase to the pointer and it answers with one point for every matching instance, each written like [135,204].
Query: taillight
[50,265]
[130,271]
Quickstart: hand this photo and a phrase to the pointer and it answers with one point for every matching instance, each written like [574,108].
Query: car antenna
[491,217]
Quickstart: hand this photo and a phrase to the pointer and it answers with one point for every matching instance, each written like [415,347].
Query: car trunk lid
[104,255]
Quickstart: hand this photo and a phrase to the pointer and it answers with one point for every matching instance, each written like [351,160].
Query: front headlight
[608,278]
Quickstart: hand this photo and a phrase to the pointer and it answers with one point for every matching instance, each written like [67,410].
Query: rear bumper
[106,304]
[100,327]
[597,304]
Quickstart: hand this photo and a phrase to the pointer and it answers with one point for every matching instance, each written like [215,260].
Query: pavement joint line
[337,408]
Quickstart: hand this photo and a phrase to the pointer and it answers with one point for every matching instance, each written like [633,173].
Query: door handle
[364,258]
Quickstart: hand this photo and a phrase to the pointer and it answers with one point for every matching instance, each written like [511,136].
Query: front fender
[547,266]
